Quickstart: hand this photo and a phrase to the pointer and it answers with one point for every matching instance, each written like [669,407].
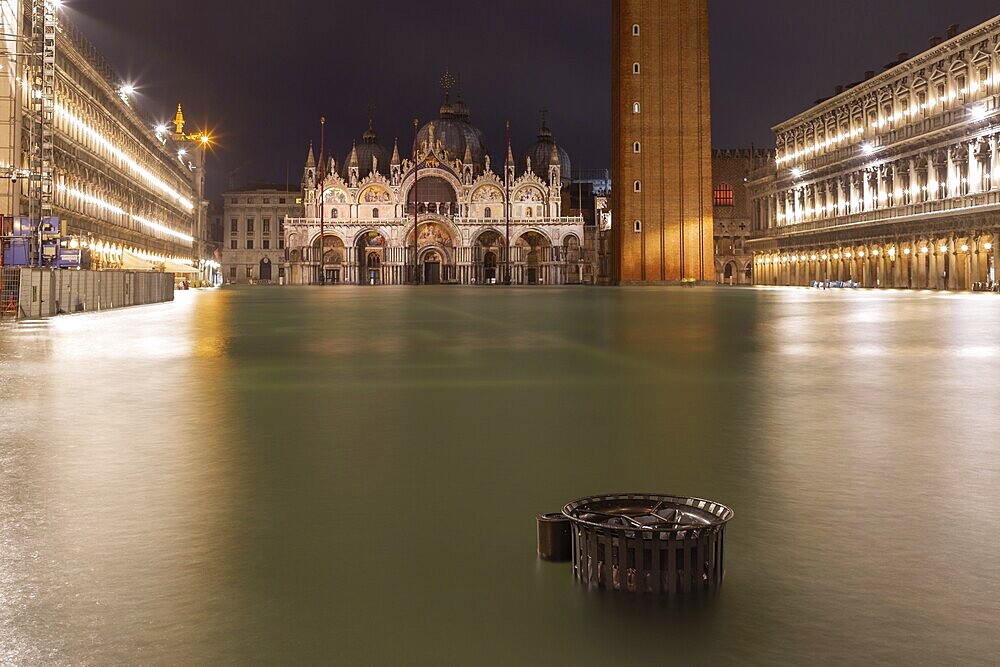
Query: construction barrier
[46,293]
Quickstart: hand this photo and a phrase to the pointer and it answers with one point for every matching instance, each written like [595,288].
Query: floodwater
[350,476]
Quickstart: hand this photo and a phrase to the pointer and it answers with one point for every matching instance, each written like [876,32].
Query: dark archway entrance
[490,267]
[265,270]
[369,251]
[432,268]
[729,273]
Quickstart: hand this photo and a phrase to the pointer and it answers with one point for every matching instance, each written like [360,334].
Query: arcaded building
[74,146]
[450,214]
[661,158]
[893,182]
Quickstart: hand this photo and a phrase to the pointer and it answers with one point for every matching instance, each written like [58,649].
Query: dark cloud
[261,72]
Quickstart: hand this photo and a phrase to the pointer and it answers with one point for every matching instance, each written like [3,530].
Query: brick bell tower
[661,157]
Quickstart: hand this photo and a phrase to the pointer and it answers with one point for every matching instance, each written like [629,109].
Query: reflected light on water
[351,476]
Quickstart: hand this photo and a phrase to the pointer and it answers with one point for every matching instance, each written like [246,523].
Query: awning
[133,263]
[170,266]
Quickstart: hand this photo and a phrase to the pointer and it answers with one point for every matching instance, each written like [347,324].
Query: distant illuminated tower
[661,155]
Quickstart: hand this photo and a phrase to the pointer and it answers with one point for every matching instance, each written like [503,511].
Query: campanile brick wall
[673,128]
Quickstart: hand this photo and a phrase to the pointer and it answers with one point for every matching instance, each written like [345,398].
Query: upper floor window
[637,186]
[234,226]
[250,226]
[723,195]
[336,214]
[637,226]
[488,212]
[374,212]
[637,147]
[636,108]
[267,226]
[635,30]
[635,68]
[281,200]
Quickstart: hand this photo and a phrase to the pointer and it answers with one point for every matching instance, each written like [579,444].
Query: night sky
[260,73]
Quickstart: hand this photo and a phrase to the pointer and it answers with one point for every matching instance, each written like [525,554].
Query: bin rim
[722,513]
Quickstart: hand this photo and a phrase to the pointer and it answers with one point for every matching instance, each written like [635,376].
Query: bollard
[554,541]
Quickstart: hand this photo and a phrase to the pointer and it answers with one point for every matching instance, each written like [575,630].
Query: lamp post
[507,205]
[416,181]
[322,201]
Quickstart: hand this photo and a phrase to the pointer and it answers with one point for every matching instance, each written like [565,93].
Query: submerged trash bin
[648,543]
[554,540]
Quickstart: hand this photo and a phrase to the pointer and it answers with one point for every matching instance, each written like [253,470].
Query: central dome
[364,152]
[456,133]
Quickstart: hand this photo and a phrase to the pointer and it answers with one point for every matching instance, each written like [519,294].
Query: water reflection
[348,475]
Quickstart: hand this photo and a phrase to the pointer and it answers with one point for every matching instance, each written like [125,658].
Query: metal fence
[10,292]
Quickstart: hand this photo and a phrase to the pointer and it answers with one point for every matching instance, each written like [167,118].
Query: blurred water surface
[350,476]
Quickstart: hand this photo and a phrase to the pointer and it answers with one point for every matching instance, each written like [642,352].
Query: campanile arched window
[637,186]
[636,108]
[635,30]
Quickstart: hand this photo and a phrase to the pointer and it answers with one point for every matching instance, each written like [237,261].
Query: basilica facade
[440,216]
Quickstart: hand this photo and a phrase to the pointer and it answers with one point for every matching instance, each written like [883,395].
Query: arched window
[374,212]
[488,212]
[635,30]
[336,214]
[636,108]
[637,226]
[635,68]
[637,147]
[528,212]
[723,195]
[637,186]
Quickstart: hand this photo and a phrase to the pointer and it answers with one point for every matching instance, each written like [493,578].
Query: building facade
[731,207]
[445,215]
[253,231]
[661,142]
[74,146]
[894,182]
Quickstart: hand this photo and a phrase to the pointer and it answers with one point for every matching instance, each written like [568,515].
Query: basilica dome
[541,154]
[457,134]
[364,152]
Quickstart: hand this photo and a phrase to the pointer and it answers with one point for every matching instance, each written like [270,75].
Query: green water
[350,476]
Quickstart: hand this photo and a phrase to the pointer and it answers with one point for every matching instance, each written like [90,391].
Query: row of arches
[370,259]
[961,262]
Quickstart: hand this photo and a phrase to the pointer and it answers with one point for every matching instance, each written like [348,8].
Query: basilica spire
[395,154]
[179,120]
[311,158]
[353,159]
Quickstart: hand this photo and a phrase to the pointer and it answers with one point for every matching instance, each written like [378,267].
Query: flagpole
[506,178]
[416,181]
[322,206]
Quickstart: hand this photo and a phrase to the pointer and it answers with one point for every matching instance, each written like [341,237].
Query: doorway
[490,268]
[374,265]
[265,270]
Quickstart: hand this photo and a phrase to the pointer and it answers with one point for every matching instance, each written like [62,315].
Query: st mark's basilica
[455,195]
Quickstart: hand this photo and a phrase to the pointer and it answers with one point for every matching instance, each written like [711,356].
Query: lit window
[723,195]
[637,186]
[636,108]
